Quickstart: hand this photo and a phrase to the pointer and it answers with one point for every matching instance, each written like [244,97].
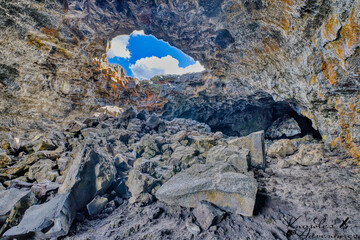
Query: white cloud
[119,47]
[148,67]
[137,33]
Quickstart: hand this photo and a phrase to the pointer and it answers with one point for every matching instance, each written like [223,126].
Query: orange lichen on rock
[351,30]
[50,31]
[346,117]
[329,72]
[330,28]
[36,41]
[270,45]
[313,79]
[117,78]
[284,20]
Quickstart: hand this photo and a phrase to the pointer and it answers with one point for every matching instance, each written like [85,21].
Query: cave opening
[144,56]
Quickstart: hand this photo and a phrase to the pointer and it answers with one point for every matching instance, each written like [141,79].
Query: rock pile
[97,163]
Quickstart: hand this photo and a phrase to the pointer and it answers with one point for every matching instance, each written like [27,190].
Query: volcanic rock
[219,184]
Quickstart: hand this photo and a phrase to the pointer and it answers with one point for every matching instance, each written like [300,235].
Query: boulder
[178,137]
[153,121]
[141,179]
[42,189]
[135,125]
[111,110]
[147,147]
[76,126]
[309,154]
[4,160]
[24,163]
[233,155]
[203,144]
[48,220]
[281,148]
[256,144]
[218,135]
[207,214]
[96,205]
[284,126]
[192,227]
[182,154]
[128,114]
[91,173]
[219,184]
[42,170]
[13,203]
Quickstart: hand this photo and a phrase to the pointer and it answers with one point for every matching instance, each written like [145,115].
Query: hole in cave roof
[144,56]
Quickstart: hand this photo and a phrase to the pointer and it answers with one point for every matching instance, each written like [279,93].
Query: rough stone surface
[48,220]
[309,154]
[13,203]
[256,144]
[96,205]
[306,54]
[283,127]
[207,214]
[219,184]
[42,170]
[281,148]
[233,155]
[4,160]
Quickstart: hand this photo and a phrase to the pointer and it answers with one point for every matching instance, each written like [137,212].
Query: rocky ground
[132,175]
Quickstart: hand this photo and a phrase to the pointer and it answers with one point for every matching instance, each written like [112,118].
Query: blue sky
[144,56]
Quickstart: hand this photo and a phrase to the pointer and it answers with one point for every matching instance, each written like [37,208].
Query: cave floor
[299,202]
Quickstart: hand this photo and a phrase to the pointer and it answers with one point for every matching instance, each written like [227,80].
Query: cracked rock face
[303,52]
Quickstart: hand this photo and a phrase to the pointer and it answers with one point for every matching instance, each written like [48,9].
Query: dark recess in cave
[236,118]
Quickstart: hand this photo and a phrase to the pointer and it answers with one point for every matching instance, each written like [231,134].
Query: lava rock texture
[303,52]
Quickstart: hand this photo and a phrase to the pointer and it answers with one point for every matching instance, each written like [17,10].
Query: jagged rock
[111,110]
[9,143]
[147,147]
[16,183]
[218,135]
[42,189]
[4,160]
[143,115]
[309,154]
[283,163]
[2,187]
[13,203]
[90,132]
[128,114]
[256,144]
[178,137]
[153,121]
[233,155]
[207,214]
[44,144]
[182,154]
[140,181]
[219,184]
[91,173]
[121,188]
[135,125]
[120,162]
[76,126]
[42,170]
[96,205]
[192,228]
[25,162]
[203,144]
[281,148]
[284,126]
[48,220]
[63,163]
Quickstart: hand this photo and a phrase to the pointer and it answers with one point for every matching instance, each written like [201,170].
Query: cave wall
[303,52]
